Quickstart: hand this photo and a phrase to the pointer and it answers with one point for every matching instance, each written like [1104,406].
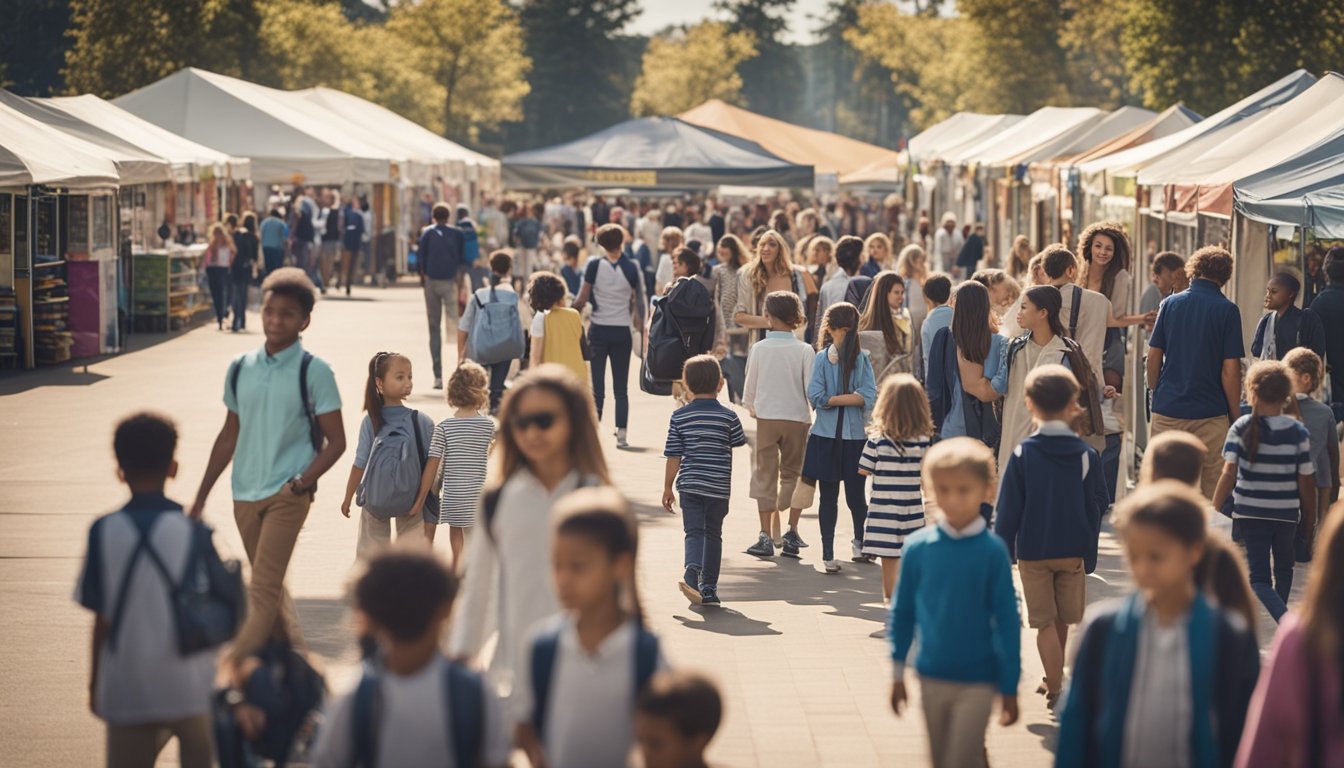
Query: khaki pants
[269,529]
[440,305]
[956,715]
[777,458]
[138,746]
[1212,432]
[326,262]
[376,533]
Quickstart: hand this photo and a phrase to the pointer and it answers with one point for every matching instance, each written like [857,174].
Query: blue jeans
[1265,540]
[240,286]
[735,375]
[829,510]
[499,372]
[1110,463]
[272,258]
[218,279]
[611,342]
[702,519]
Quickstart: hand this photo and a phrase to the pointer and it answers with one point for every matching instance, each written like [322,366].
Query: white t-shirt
[701,232]
[141,676]
[612,294]
[665,272]
[413,724]
[539,324]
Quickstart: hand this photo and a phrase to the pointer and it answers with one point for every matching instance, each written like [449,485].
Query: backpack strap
[123,591]
[544,651]
[466,704]
[314,430]
[646,658]
[364,718]
[235,370]
[1074,306]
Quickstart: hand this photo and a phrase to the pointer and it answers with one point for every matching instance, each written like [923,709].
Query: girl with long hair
[884,328]
[732,258]
[1042,344]
[979,351]
[771,270]
[565,716]
[877,254]
[842,391]
[913,267]
[897,439]
[1296,717]
[1269,475]
[547,447]
[1105,252]
[219,252]
[1019,258]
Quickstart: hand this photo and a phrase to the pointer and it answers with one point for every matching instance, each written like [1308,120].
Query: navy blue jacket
[1062,477]
[441,252]
[1297,328]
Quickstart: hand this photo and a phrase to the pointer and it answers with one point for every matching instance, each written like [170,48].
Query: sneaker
[763,547]
[856,551]
[438,382]
[694,595]
[710,595]
[832,566]
[621,442]
[792,543]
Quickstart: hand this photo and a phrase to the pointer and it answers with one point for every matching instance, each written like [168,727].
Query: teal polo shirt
[273,439]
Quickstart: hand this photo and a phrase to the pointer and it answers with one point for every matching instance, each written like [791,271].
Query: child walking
[779,370]
[700,441]
[956,589]
[457,457]
[899,437]
[676,717]
[1307,370]
[575,697]
[557,330]
[1269,475]
[1163,676]
[389,425]
[842,391]
[412,706]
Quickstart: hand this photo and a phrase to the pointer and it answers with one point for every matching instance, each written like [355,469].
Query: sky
[658,14]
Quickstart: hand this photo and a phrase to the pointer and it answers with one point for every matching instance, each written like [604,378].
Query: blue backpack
[464,692]
[544,650]
[496,333]
[471,245]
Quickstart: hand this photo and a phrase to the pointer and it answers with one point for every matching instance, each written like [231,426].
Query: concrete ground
[799,654]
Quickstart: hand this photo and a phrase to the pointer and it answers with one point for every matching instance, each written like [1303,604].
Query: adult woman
[780,222]
[969,351]
[247,253]
[884,328]
[218,259]
[668,242]
[1105,250]
[732,258]
[771,270]
[1039,316]
[913,267]
[1019,258]
[817,256]
[877,249]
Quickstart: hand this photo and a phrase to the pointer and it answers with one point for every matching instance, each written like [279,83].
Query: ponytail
[373,399]
[1266,382]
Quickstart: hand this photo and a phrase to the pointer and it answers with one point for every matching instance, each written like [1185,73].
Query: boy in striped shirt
[700,441]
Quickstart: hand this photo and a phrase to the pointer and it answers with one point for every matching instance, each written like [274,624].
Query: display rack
[51,312]
[9,329]
[167,291]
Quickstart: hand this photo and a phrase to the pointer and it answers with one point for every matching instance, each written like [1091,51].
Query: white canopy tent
[1040,128]
[134,165]
[1070,143]
[287,138]
[29,155]
[959,130]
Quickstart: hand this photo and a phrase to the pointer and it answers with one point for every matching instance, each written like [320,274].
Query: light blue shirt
[273,232]
[954,425]
[274,443]
[939,318]
[825,384]
[832,292]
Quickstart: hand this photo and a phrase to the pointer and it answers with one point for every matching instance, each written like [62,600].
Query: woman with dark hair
[246,256]
[884,328]
[967,351]
[732,258]
[1041,344]
[1104,248]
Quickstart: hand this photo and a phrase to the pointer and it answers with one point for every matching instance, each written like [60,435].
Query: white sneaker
[856,551]
[832,566]
[621,442]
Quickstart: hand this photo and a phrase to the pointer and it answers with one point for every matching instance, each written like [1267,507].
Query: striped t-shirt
[461,445]
[703,433]
[1266,486]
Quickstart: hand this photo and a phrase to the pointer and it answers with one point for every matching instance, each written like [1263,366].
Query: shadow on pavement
[855,592]
[725,621]
[328,628]
[74,373]
[1049,733]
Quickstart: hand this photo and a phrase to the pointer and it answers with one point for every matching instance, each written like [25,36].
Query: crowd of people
[971,415]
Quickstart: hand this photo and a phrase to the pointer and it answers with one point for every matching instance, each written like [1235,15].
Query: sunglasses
[542,420]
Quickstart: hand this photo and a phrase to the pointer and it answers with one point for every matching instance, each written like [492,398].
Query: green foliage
[1015,44]
[32,46]
[691,67]
[770,79]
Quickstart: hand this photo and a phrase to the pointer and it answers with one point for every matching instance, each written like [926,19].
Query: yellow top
[561,344]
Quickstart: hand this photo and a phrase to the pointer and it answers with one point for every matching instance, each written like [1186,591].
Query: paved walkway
[798,654]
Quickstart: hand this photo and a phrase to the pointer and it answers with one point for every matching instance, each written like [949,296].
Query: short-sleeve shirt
[703,433]
[142,678]
[1196,329]
[462,445]
[1266,486]
[274,443]
[1320,423]
[612,293]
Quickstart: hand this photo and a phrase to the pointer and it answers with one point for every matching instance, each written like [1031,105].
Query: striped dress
[896,509]
[461,445]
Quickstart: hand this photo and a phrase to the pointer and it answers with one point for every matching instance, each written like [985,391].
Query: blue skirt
[832,460]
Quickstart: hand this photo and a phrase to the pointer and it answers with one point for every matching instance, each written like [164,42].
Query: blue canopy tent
[652,154]
[1306,190]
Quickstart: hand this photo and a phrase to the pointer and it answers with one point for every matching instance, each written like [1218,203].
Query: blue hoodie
[1062,476]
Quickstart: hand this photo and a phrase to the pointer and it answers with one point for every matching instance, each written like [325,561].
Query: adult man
[1284,326]
[947,242]
[273,234]
[717,226]
[330,224]
[476,269]
[1329,307]
[848,254]
[526,236]
[352,241]
[973,250]
[439,258]
[303,232]
[1168,277]
[699,232]
[1194,360]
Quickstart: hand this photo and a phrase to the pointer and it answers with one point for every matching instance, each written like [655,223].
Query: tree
[473,50]
[1017,52]
[34,43]
[770,80]
[1093,40]
[691,67]
[854,91]
[113,51]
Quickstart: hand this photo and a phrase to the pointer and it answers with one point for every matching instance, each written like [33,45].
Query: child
[956,589]
[500,290]
[1161,677]
[1049,513]
[570,271]
[1306,370]
[388,384]
[899,437]
[141,686]
[779,369]
[457,457]
[575,698]
[676,717]
[937,294]
[1175,456]
[413,707]
[1295,719]
[842,391]
[1268,474]
[700,441]
[557,330]
[547,447]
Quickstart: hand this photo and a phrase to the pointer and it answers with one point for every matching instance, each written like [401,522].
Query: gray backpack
[392,474]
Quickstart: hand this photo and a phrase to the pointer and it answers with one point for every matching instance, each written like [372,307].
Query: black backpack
[682,327]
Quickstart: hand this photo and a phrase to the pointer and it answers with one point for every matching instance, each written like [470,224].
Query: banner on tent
[631,178]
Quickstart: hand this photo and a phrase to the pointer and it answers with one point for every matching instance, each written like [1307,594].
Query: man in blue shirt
[273,234]
[352,240]
[438,260]
[1194,360]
